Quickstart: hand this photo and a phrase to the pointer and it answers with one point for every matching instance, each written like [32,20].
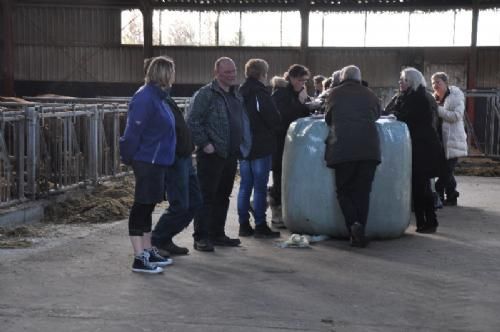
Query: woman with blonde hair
[451,107]
[148,145]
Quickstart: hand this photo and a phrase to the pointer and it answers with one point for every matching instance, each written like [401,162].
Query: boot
[357,237]
[245,229]
[451,199]
[420,219]
[263,231]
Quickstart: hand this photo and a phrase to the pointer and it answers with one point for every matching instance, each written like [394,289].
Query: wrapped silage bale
[309,199]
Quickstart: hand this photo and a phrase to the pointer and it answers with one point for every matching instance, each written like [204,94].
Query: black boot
[174,249]
[451,199]
[431,222]
[420,218]
[245,229]
[358,238]
[263,231]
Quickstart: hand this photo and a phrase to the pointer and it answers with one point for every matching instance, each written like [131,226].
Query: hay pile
[106,203]
[478,167]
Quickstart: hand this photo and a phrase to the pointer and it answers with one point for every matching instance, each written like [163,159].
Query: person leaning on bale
[148,145]
[290,100]
[414,106]
[353,148]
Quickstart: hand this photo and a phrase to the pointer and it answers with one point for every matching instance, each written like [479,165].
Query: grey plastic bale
[309,200]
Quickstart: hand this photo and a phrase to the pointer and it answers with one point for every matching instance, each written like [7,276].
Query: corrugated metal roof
[282,4]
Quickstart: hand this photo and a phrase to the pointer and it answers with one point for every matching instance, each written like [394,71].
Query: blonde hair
[160,71]
[256,68]
[441,75]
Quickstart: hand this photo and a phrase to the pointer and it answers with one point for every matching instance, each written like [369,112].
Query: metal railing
[48,148]
[52,144]
[490,144]
[182,102]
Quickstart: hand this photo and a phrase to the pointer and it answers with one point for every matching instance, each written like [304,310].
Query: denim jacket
[209,121]
[150,131]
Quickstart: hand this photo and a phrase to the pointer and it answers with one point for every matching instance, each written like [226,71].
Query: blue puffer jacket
[150,132]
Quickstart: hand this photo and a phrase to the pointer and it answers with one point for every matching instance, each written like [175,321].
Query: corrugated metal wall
[194,65]
[83,45]
[66,26]
[488,75]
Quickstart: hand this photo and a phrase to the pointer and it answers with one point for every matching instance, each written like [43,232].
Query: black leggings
[140,220]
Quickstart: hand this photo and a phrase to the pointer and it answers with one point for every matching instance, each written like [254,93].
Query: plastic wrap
[309,198]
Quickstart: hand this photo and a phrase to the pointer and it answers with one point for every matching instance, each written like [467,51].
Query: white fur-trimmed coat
[452,114]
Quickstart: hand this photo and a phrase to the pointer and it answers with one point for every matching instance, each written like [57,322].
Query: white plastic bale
[309,199]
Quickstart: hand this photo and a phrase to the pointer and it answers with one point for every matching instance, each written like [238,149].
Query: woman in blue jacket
[148,145]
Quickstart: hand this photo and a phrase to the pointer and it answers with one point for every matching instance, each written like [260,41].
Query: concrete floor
[449,281]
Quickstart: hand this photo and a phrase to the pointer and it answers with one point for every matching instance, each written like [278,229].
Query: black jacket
[352,112]
[289,106]
[264,118]
[417,109]
[184,146]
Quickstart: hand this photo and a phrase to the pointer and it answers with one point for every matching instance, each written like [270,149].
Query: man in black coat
[353,148]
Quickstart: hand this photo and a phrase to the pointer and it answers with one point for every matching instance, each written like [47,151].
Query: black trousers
[446,182]
[216,178]
[277,161]
[423,201]
[354,184]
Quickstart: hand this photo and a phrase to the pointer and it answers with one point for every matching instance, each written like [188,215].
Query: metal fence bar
[20,160]
[31,157]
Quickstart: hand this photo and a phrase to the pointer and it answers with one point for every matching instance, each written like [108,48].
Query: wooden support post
[147,14]
[8,48]
[304,41]
[472,64]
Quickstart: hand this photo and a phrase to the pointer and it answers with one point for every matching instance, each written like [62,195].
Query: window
[226,28]
[387,29]
[132,27]
[391,29]
[488,27]
[229,28]
[291,28]
[174,27]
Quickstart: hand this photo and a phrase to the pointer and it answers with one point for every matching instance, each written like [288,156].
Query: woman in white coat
[451,109]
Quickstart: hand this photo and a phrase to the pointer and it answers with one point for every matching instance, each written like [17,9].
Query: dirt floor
[76,277]
[111,201]
[107,202]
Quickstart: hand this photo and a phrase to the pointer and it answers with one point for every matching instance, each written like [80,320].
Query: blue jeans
[184,198]
[254,175]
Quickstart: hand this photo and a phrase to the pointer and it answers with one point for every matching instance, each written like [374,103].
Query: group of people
[227,124]
[438,138]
